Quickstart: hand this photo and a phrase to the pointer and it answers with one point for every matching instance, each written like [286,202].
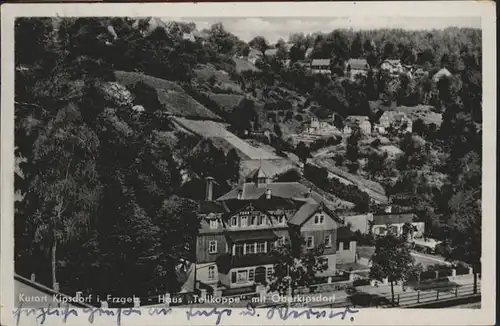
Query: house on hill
[387,221]
[288,47]
[379,224]
[396,120]
[443,72]
[355,67]
[394,67]
[201,36]
[188,37]
[254,55]
[419,73]
[270,52]
[239,229]
[320,66]
[308,53]
[321,127]
[360,122]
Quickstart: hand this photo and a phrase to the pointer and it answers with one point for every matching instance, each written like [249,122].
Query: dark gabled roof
[257,173]
[252,191]
[310,207]
[239,236]
[392,218]
[304,212]
[207,207]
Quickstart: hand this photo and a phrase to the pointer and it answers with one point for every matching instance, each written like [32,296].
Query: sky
[273,28]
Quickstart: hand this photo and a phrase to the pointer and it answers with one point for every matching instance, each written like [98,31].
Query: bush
[462,270]
[336,140]
[289,176]
[317,175]
[428,275]
[361,282]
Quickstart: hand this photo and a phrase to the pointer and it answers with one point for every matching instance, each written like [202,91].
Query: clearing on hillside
[373,189]
[243,65]
[174,99]
[212,129]
[226,102]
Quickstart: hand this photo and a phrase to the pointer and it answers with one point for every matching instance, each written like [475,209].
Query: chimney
[240,194]
[209,189]
[388,209]
[268,194]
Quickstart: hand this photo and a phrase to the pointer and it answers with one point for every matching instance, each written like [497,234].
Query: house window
[328,241]
[253,220]
[261,247]
[338,246]
[269,272]
[234,221]
[212,246]
[214,224]
[310,242]
[242,276]
[243,221]
[281,219]
[346,245]
[211,273]
[227,247]
[233,277]
[262,220]
[281,241]
[250,248]
[250,275]
[238,249]
[319,219]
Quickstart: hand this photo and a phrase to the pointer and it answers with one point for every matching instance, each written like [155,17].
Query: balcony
[227,261]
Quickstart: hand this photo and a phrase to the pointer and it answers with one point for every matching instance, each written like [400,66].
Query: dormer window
[214,223]
[234,221]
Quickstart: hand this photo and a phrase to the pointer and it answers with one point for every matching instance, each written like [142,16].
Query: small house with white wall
[321,66]
[388,221]
[360,122]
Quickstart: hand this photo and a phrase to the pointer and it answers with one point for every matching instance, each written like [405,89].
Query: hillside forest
[108,186]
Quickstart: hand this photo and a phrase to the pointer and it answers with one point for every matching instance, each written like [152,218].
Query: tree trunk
[53,254]
[392,292]
[475,279]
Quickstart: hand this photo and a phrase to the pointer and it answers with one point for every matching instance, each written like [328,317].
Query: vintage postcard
[248,163]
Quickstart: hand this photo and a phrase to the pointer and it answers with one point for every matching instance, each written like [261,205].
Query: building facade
[321,66]
[354,122]
[394,67]
[399,121]
[240,229]
[356,67]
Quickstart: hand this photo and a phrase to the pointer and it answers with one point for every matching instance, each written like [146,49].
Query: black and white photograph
[251,162]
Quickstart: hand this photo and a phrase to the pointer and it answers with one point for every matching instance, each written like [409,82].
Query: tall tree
[296,266]
[392,260]
[259,43]
[357,47]
[303,152]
